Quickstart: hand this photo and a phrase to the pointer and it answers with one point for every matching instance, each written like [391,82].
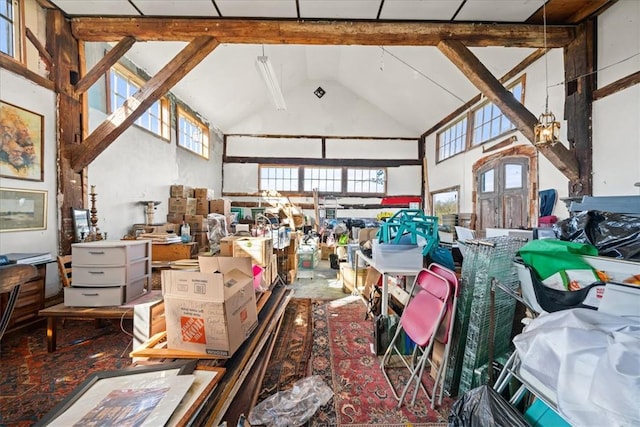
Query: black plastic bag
[484,407]
[615,235]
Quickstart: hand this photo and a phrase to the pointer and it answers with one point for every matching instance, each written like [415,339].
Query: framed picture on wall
[21,143]
[22,210]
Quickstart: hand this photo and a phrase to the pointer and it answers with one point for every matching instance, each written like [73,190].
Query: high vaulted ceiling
[414,85]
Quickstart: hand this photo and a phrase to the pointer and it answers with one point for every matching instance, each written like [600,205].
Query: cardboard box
[325,251]
[202,206]
[175,218]
[436,358]
[212,311]
[226,245]
[347,277]
[196,222]
[220,206]
[203,193]
[182,205]
[259,249]
[182,191]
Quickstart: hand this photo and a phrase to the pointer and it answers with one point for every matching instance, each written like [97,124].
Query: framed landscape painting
[22,210]
[21,143]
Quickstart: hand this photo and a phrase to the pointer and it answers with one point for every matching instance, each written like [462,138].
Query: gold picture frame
[21,143]
[22,210]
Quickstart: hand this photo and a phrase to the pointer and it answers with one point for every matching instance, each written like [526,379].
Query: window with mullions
[278,178]
[366,181]
[9,28]
[122,86]
[325,180]
[192,134]
[489,122]
[452,140]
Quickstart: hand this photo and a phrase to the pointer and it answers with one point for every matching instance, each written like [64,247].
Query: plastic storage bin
[390,257]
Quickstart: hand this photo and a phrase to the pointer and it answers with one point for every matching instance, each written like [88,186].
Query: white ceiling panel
[96,7]
[257,8]
[339,9]
[176,8]
[498,11]
[420,10]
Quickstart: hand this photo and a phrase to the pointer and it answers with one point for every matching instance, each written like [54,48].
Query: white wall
[138,166]
[338,113]
[616,118]
[23,93]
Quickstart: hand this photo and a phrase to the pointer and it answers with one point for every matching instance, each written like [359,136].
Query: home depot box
[211,311]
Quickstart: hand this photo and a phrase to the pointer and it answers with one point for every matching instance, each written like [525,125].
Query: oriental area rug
[342,356]
[332,339]
[32,381]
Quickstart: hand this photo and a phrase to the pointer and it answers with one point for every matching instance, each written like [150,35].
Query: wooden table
[55,312]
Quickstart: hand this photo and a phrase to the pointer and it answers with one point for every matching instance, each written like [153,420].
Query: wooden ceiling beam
[320,32]
[559,155]
[104,64]
[117,122]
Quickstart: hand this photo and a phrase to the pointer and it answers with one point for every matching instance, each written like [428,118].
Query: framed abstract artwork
[22,210]
[21,143]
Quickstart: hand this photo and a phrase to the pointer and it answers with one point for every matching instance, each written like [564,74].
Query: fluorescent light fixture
[270,79]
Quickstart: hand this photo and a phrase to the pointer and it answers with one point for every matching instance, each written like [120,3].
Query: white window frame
[155,119]
[13,27]
[193,133]
[279,178]
[325,179]
[453,139]
[374,179]
[494,122]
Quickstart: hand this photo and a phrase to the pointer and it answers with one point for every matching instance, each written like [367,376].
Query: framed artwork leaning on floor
[21,143]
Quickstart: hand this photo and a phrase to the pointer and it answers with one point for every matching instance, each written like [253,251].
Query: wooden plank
[223,396]
[467,105]
[66,66]
[320,32]
[116,123]
[104,64]
[579,66]
[523,119]
[372,163]
[42,51]
[8,63]
[620,84]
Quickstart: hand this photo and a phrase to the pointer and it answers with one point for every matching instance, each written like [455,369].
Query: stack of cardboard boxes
[192,205]
[258,249]
[212,311]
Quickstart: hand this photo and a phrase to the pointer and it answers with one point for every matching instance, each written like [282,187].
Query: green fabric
[548,256]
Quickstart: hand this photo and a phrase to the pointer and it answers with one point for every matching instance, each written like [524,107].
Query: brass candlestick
[94,233]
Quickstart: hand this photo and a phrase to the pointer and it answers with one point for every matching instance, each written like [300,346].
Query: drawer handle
[96,272]
[96,253]
[90,295]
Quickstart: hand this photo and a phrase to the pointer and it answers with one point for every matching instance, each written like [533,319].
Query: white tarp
[592,362]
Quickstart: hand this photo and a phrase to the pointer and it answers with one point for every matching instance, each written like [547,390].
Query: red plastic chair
[420,321]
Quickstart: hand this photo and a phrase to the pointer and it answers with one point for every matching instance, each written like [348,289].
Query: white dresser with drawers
[108,272]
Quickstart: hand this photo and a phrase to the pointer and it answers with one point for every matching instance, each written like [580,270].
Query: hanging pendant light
[547,130]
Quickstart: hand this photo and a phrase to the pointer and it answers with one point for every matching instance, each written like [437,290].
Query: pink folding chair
[445,333]
[420,321]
